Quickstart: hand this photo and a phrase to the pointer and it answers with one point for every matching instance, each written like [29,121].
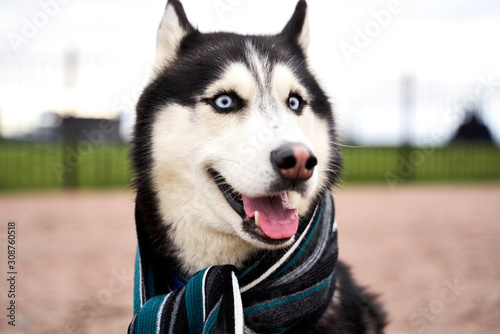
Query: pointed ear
[174,26]
[297,29]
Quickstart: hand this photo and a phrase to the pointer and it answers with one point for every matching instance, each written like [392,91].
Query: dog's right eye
[224,102]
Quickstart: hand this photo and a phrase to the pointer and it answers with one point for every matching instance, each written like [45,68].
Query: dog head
[233,133]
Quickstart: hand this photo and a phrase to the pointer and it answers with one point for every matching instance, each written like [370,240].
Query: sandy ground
[431,252]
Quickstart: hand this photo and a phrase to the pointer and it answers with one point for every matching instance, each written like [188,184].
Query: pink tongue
[277,218]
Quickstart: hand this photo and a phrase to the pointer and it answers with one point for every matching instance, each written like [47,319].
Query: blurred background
[416,89]
[402,75]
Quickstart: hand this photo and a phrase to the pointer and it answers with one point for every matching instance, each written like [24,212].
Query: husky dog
[234,147]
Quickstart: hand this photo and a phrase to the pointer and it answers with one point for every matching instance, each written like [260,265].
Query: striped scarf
[282,291]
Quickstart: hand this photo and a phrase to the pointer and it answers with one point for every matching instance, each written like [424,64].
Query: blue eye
[224,102]
[295,103]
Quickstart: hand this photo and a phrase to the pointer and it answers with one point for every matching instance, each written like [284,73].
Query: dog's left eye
[295,103]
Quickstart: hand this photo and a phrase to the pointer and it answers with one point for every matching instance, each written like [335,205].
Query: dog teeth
[256,217]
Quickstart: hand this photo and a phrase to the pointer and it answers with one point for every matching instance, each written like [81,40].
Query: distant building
[54,127]
[472,129]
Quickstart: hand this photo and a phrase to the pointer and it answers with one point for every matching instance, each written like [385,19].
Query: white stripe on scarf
[238,306]
[160,311]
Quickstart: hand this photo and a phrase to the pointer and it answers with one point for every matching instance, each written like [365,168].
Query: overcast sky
[443,40]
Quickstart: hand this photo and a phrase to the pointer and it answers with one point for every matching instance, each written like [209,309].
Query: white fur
[303,39]
[236,78]
[189,201]
[259,63]
[170,35]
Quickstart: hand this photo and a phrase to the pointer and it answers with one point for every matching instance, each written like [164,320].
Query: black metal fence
[405,130]
[49,165]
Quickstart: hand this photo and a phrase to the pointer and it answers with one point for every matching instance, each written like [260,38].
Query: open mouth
[271,219]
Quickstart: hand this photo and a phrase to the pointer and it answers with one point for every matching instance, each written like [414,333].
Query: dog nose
[295,163]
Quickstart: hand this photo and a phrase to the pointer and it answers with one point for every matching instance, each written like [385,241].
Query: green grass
[454,163]
[33,165]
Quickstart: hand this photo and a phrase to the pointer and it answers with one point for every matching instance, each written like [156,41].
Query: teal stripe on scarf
[211,321]
[148,317]
[287,299]
[248,270]
[195,302]
[137,282]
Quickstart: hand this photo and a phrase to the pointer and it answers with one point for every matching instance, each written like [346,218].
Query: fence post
[406,170]
[70,154]
[71,137]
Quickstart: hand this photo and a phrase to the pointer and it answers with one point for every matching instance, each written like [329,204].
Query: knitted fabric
[281,291]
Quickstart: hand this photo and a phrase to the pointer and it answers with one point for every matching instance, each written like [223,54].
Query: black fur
[295,25]
[356,312]
[200,59]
